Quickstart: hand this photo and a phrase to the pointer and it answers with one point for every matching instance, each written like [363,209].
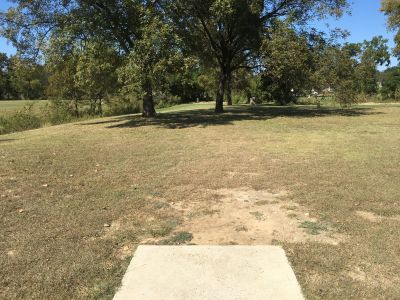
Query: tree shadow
[114,120]
[203,118]
[6,140]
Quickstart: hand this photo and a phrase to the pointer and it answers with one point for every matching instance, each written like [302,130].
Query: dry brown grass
[77,199]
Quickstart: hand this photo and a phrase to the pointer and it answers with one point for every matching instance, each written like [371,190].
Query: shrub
[22,120]
[345,93]
[59,112]
[165,100]
[122,106]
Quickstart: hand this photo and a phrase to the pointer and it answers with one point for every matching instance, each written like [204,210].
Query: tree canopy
[223,34]
[392,9]
[228,33]
[150,51]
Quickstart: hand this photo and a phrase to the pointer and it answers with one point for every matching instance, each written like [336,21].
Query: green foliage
[153,45]
[119,105]
[179,238]
[20,121]
[372,54]
[190,81]
[336,69]
[224,34]
[391,84]
[6,90]
[27,78]
[392,9]
[144,72]
[96,73]
[344,81]
[59,112]
[286,57]
[247,87]
[313,228]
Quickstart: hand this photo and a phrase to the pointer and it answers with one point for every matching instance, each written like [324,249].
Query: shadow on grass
[6,140]
[203,118]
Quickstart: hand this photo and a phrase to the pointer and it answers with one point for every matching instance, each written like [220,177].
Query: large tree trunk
[219,104]
[229,89]
[148,101]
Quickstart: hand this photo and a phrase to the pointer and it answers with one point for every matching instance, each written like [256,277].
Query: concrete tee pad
[209,272]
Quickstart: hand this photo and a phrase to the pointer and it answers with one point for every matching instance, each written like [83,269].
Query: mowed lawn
[77,199]
[11,106]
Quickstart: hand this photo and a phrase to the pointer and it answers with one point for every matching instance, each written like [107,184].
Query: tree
[27,78]
[337,68]
[247,85]
[391,83]
[224,34]
[373,53]
[187,83]
[287,62]
[96,73]
[227,33]
[62,85]
[30,23]
[149,61]
[61,64]
[4,76]
[392,9]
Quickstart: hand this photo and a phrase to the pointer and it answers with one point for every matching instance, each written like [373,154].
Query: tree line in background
[166,52]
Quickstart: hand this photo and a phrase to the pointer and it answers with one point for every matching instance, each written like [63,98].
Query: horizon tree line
[151,49]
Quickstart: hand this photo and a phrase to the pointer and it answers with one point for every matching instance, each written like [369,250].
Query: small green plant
[205,212]
[120,194]
[242,228]
[262,202]
[290,207]
[178,238]
[259,216]
[313,228]
[164,229]
[161,205]
[210,212]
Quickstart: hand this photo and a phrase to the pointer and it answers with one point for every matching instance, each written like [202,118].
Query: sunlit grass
[60,186]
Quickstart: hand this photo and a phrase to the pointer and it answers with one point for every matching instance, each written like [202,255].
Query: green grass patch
[178,238]
[313,228]
[258,215]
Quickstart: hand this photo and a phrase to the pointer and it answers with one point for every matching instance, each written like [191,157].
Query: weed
[161,205]
[178,238]
[290,207]
[242,228]
[163,229]
[259,216]
[262,202]
[313,228]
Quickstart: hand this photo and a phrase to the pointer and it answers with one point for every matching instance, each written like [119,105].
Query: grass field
[7,107]
[77,199]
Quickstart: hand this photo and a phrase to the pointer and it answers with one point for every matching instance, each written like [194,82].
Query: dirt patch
[240,219]
[125,251]
[12,253]
[374,218]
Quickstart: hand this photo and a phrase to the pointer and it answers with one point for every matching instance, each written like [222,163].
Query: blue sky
[365,22]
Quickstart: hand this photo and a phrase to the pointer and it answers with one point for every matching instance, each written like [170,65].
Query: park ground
[11,106]
[77,199]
